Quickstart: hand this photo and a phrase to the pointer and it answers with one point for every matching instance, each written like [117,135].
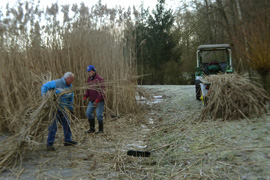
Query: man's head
[91,70]
[69,77]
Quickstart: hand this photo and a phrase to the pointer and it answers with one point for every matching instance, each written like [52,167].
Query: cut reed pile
[232,96]
[37,117]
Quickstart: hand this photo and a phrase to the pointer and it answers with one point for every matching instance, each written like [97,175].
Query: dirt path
[180,147]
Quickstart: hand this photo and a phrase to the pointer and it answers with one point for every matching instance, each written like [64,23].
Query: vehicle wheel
[198,93]
[206,100]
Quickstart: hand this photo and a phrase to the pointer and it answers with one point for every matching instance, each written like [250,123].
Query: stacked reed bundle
[37,117]
[232,96]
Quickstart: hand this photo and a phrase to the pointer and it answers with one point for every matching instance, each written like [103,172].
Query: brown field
[181,147]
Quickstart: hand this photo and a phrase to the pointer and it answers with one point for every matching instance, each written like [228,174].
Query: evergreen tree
[160,43]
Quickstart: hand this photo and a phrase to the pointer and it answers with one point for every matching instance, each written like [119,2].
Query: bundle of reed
[232,96]
[37,117]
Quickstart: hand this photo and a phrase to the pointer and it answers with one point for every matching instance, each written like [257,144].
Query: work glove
[84,100]
[72,112]
[95,104]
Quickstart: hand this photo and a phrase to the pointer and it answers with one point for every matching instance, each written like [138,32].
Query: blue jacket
[59,85]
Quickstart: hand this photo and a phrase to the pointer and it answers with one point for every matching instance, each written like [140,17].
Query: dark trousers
[64,121]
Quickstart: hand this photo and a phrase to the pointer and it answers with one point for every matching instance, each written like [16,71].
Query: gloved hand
[84,100]
[95,104]
[72,112]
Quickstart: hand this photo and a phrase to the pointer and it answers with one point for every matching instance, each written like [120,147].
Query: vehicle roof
[213,46]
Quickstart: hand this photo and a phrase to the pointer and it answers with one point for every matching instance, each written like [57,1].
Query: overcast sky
[89,3]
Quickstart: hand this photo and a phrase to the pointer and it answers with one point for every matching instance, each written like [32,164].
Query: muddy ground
[181,146]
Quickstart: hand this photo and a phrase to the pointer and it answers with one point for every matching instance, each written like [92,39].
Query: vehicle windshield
[214,56]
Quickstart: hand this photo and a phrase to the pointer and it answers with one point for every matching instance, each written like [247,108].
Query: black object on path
[138,153]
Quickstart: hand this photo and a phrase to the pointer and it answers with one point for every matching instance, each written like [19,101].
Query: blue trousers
[64,121]
[99,110]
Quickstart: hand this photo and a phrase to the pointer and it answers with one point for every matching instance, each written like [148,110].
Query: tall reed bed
[32,53]
[30,50]
[254,46]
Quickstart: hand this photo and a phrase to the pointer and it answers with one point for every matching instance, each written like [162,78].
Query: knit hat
[91,67]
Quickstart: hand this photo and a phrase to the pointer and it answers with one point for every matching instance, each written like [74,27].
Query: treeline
[244,24]
[167,39]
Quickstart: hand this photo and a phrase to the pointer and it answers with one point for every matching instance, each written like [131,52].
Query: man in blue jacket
[65,102]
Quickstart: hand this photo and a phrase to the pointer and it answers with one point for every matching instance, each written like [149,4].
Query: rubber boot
[92,126]
[100,127]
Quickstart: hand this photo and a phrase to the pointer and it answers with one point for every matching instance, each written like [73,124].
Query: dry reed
[58,50]
[232,96]
[26,54]
[37,117]
[185,148]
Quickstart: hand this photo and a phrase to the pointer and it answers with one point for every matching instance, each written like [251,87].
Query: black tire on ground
[206,100]
[198,92]
[198,89]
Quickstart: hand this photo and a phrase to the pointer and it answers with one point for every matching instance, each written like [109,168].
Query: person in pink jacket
[96,94]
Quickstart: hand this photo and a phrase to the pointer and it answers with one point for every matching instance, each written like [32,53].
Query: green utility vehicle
[211,59]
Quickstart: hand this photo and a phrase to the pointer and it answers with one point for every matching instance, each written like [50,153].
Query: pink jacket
[96,90]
